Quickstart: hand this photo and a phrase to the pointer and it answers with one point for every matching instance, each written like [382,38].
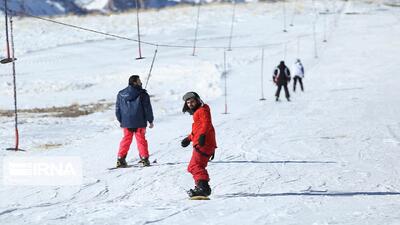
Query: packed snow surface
[330,156]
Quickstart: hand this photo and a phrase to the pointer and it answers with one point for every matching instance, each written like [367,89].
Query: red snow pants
[141,142]
[197,165]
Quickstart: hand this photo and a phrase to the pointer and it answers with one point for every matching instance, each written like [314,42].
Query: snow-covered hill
[60,7]
[330,156]
[43,7]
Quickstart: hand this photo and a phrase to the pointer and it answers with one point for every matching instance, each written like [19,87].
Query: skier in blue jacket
[133,110]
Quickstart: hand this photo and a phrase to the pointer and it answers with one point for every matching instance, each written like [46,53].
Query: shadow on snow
[319,193]
[278,162]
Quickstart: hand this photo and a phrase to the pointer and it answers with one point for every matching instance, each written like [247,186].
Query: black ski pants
[296,78]
[278,91]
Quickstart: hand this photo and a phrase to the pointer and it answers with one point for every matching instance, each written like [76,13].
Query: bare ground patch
[74,110]
[48,146]
[392,4]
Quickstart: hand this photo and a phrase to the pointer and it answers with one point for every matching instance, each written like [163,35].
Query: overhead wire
[144,42]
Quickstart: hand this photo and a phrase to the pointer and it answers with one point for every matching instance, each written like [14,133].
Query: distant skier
[298,72]
[133,110]
[281,78]
[203,140]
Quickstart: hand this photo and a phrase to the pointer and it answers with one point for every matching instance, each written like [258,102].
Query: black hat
[133,79]
[190,95]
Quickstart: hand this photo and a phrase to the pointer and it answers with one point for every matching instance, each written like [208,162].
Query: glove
[185,142]
[202,140]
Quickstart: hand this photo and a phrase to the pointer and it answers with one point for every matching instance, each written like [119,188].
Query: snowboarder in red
[133,110]
[203,140]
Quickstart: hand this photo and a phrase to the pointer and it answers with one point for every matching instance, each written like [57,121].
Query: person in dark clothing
[133,110]
[281,78]
[203,141]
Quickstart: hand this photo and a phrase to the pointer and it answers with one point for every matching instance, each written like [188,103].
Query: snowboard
[134,165]
[199,198]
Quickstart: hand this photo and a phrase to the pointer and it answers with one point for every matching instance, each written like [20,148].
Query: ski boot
[201,189]
[121,162]
[277,99]
[144,161]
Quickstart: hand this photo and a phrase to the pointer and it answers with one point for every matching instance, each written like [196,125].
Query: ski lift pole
[294,13]
[337,14]
[285,50]
[325,21]
[196,30]
[284,15]
[262,75]
[325,15]
[225,85]
[315,40]
[16,148]
[6,19]
[233,21]
[151,67]
[8,59]
[298,46]
[138,31]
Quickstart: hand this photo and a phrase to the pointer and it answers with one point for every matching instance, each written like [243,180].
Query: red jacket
[202,124]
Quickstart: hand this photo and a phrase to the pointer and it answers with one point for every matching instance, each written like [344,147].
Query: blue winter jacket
[133,108]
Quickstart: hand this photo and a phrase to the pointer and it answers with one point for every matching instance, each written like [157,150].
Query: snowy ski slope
[330,156]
